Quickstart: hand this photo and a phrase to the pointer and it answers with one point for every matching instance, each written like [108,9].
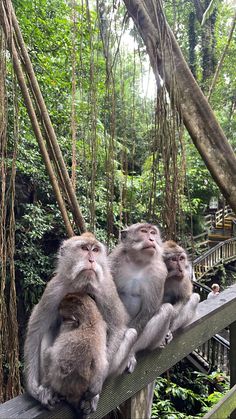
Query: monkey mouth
[151,246]
[178,275]
[89,270]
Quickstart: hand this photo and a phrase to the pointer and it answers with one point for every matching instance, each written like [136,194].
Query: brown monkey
[77,362]
[178,286]
[139,273]
[82,266]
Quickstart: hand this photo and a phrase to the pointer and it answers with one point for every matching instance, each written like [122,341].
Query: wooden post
[140,405]
[232,359]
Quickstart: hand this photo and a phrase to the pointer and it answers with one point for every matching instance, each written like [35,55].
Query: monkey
[82,266]
[178,288]
[76,363]
[139,273]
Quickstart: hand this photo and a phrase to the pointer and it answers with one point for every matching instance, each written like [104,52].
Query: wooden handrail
[213,315]
[224,407]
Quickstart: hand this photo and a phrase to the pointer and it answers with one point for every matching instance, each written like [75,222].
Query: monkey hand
[131,364]
[47,397]
[89,404]
[195,298]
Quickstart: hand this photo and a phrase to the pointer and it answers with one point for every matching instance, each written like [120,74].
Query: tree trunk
[198,116]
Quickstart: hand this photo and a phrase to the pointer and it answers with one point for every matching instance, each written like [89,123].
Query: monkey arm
[42,324]
[184,312]
[155,330]
[125,339]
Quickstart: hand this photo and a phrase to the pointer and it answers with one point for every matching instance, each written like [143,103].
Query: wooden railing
[215,353]
[224,407]
[217,255]
[213,316]
[221,214]
[210,221]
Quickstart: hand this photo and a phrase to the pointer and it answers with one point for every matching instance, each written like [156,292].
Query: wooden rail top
[213,315]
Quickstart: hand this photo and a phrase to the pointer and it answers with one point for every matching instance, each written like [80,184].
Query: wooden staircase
[224,226]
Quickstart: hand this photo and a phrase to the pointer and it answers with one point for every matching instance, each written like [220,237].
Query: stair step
[225,225]
[219,232]
[218,237]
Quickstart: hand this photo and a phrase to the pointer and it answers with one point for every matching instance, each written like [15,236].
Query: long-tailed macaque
[82,266]
[76,364]
[178,286]
[139,273]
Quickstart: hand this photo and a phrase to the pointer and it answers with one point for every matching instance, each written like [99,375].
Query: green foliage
[34,260]
[185,393]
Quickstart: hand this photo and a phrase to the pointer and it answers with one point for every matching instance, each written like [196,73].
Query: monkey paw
[167,339]
[47,397]
[131,364]
[89,405]
[195,298]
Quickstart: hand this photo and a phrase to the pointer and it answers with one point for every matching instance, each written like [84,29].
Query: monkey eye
[143,230]
[181,258]
[84,247]
[153,232]
[96,249]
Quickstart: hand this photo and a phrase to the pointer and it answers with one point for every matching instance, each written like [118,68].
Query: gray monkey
[178,286]
[82,267]
[139,273]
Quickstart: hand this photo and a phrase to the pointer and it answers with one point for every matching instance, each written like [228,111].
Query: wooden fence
[213,316]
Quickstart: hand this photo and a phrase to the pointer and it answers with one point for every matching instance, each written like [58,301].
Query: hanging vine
[106,32]
[74,34]
[9,344]
[168,156]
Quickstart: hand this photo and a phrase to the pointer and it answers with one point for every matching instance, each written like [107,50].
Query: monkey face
[83,256]
[142,238]
[176,265]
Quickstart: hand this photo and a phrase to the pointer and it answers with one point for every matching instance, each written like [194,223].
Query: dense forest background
[95,77]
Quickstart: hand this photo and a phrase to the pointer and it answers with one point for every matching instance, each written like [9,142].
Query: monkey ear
[123,235]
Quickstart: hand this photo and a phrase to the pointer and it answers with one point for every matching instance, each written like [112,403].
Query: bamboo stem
[34,122]
[48,125]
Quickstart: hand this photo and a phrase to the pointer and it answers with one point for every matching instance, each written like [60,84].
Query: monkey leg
[90,398]
[155,334]
[156,329]
[184,313]
[123,347]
